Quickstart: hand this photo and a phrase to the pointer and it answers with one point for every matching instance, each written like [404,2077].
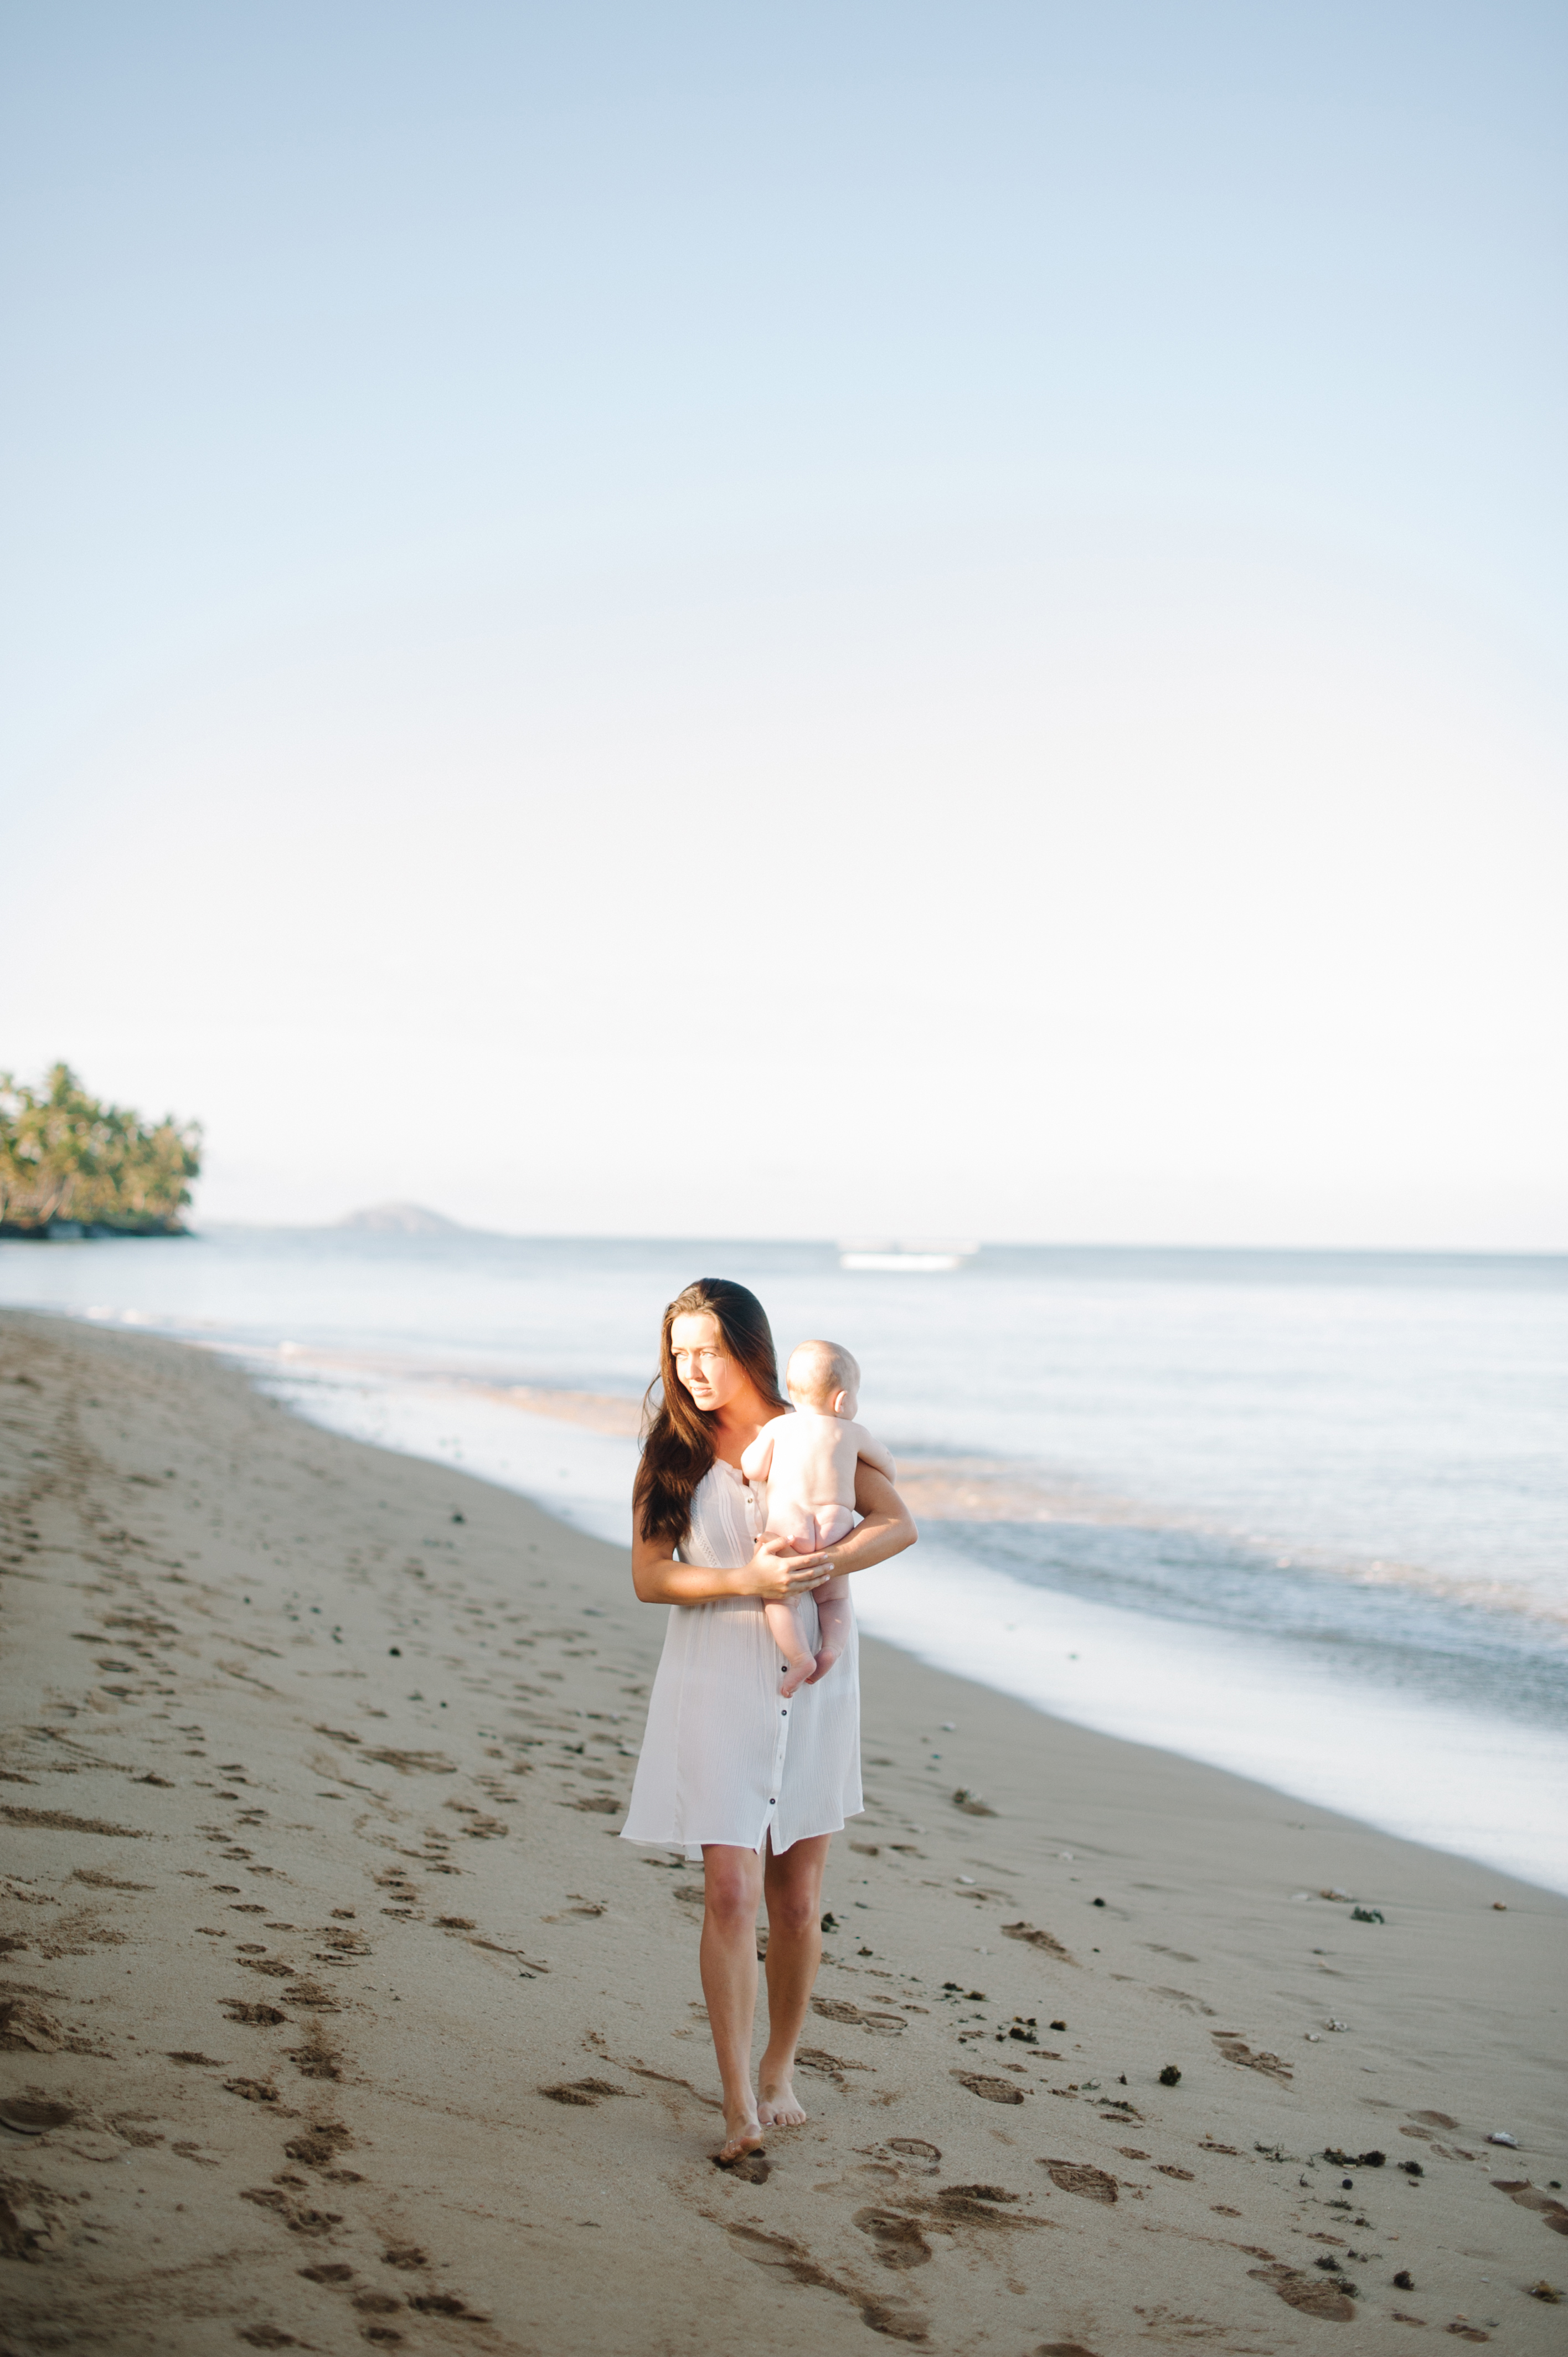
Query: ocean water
[1304,1515]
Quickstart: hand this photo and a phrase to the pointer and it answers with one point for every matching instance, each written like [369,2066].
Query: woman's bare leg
[732,1880]
[794,1887]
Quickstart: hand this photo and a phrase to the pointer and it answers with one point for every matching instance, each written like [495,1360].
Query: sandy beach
[323,1751]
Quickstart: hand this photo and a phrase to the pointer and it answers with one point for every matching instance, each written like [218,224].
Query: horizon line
[452,1228]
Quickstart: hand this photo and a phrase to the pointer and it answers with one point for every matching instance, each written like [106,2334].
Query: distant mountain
[402,1219]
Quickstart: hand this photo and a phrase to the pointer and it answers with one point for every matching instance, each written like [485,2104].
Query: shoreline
[317,1938]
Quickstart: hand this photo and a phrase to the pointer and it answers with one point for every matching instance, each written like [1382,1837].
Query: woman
[758,1785]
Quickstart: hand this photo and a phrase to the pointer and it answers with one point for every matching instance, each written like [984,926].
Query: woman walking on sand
[758,1785]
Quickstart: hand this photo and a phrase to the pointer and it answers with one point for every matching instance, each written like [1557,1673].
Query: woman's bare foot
[776,2103]
[743,2133]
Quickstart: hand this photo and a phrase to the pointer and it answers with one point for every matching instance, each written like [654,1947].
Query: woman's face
[703,1365]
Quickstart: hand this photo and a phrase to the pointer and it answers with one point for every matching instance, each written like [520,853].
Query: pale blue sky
[366,361]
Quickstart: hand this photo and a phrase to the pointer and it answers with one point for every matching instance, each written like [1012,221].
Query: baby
[808,1461]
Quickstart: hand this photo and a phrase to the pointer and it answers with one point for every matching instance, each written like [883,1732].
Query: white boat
[906,1260]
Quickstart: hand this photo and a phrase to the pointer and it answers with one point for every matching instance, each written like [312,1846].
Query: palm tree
[64,1156]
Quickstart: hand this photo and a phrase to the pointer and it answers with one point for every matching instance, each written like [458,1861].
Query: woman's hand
[778,1575]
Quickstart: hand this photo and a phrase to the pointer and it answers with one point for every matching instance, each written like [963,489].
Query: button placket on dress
[781,1737]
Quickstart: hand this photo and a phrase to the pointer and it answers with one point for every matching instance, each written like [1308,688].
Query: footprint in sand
[27,2117]
[252,2091]
[1308,2294]
[990,2090]
[1552,2211]
[1037,1939]
[816,2058]
[584,2091]
[838,2008]
[60,1820]
[311,1995]
[319,2145]
[317,2057]
[786,2256]
[980,2205]
[900,2242]
[298,2218]
[1235,2049]
[480,1827]
[1081,2177]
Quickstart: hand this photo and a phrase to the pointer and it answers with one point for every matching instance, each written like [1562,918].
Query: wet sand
[332,2013]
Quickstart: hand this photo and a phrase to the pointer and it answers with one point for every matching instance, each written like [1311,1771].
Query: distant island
[402,1219]
[71,1165]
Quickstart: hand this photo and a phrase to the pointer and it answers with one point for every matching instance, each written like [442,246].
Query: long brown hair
[677,1436]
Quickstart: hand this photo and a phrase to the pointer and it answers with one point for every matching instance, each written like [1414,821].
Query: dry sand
[346,2018]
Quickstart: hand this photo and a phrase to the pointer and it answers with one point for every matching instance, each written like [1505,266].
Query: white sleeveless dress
[724,1758]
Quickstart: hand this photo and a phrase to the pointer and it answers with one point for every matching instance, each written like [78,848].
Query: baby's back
[814,1458]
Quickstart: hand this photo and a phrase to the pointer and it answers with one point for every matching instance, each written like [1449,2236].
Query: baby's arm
[871,1451]
[757,1461]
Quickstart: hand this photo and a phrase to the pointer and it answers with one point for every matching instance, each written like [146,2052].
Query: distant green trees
[66,1157]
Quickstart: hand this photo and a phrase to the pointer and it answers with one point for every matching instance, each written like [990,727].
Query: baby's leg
[783,1622]
[784,1627]
[835,1618]
[835,1613]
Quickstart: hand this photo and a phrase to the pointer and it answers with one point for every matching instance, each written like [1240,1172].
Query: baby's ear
[839,1402]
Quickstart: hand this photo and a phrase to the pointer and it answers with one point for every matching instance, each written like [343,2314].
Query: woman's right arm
[776,1573]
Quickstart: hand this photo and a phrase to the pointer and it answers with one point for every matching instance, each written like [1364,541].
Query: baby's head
[824,1375]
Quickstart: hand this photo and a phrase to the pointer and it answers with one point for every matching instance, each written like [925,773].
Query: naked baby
[808,1461]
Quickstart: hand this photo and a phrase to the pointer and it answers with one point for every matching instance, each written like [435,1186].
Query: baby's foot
[776,2103]
[797,1674]
[743,2133]
[823,1663]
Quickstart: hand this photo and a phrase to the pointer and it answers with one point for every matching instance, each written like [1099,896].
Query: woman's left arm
[888,1526]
